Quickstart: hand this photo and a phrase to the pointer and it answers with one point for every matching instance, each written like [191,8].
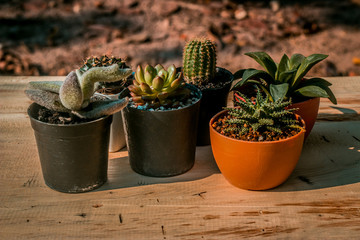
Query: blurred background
[53,37]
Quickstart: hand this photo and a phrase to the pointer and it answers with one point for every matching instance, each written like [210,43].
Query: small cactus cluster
[76,93]
[105,61]
[261,116]
[199,61]
[157,86]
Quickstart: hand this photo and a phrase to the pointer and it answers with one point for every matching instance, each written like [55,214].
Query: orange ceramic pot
[255,165]
[308,110]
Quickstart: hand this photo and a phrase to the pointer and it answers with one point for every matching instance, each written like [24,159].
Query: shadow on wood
[330,158]
[121,175]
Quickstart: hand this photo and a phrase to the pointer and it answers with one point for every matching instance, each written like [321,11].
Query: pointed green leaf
[282,67]
[315,81]
[251,74]
[239,74]
[295,61]
[306,64]
[312,91]
[265,61]
[287,76]
[279,91]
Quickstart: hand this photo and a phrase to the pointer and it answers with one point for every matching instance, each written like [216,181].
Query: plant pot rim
[253,142]
[62,125]
[192,87]
[310,99]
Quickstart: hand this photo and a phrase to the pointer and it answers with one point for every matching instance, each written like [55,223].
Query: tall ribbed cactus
[199,61]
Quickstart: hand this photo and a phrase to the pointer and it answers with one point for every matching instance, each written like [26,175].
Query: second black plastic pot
[162,143]
[74,158]
[212,102]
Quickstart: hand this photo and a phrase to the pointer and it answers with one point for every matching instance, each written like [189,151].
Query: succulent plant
[199,61]
[157,86]
[261,115]
[286,79]
[105,61]
[76,93]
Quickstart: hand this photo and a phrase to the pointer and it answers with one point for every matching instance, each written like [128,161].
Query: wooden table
[321,199]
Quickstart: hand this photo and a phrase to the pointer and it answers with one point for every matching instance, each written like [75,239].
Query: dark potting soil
[217,82]
[52,117]
[254,136]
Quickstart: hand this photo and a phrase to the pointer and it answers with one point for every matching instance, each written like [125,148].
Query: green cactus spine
[199,61]
[261,115]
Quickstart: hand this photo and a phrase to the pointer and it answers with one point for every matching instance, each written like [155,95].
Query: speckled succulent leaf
[70,94]
[158,67]
[51,86]
[149,74]
[158,83]
[46,99]
[199,61]
[102,108]
[139,74]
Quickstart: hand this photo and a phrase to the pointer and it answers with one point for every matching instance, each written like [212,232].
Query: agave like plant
[76,93]
[261,115]
[157,86]
[286,79]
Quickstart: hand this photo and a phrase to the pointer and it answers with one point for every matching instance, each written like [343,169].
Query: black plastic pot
[162,143]
[74,158]
[212,102]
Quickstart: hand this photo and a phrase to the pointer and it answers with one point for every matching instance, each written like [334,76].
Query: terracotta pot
[255,165]
[308,110]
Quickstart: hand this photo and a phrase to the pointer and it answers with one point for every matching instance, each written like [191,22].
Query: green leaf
[282,67]
[251,74]
[287,76]
[279,91]
[306,64]
[239,74]
[295,61]
[312,91]
[265,61]
[322,83]
[315,81]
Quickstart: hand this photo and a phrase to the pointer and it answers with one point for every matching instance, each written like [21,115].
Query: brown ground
[53,37]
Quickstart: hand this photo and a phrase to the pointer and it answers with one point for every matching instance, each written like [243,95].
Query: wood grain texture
[320,200]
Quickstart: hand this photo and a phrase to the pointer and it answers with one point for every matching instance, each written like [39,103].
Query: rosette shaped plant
[261,116]
[76,94]
[287,78]
[157,86]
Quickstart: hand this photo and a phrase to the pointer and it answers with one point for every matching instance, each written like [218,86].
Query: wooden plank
[321,198]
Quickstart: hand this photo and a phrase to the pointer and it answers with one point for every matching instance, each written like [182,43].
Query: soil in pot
[220,125]
[74,155]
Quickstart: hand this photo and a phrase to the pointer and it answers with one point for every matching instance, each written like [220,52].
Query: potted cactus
[257,144]
[111,90]
[161,122]
[72,126]
[199,68]
[286,79]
